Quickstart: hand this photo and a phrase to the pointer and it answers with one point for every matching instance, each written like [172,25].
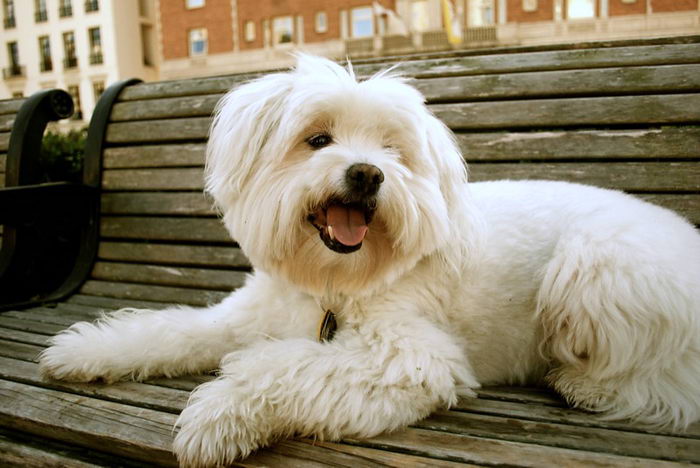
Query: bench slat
[154,156]
[177,229]
[557,113]
[629,176]
[490,451]
[483,63]
[194,204]
[141,203]
[231,257]
[647,143]
[536,113]
[560,415]
[221,280]
[601,82]
[140,433]
[166,294]
[565,435]
[6,122]
[662,142]
[634,176]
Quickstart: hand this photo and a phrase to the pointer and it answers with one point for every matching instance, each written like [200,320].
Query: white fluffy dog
[352,197]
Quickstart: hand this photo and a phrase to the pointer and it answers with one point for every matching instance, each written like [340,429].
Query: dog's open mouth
[343,226]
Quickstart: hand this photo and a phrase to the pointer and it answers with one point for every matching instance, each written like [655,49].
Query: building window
[40,14]
[194,3]
[14,69]
[95,46]
[91,5]
[98,87]
[65,9]
[629,1]
[529,5]
[74,92]
[362,22]
[69,58]
[8,8]
[282,30]
[481,13]
[321,22]
[198,42]
[580,9]
[45,54]
[249,31]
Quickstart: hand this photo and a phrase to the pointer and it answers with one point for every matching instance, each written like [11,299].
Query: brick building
[222,36]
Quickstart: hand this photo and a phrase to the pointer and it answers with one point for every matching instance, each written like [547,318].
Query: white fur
[591,290]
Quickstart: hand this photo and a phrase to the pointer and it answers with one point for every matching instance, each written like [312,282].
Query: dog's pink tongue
[349,227]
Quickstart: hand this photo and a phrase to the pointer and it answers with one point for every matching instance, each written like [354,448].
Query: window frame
[353,23]
[204,39]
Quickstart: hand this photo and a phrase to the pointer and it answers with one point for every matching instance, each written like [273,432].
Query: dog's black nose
[364,179]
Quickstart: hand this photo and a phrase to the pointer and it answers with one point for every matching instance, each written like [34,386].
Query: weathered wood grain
[10,106]
[153,179]
[4,141]
[22,454]
[215,279]
[29,326]
[561,435]
[108,303]
[575,112]
[131,393]
[178,229]
[599,82]
[23,351]
[6,122]
[23,337]
[124,430]
[533,113]
[184,154]
[645,143]
[561,415]
[158,203]
[630,176]
[195,106]
[167,294]
[492,452]
[159,130]
[231,257]
[483,62]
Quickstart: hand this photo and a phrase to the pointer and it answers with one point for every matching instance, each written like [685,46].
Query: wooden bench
[623,115]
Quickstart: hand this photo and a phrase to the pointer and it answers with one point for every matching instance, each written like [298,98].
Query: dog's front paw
[77,355]
[219,427]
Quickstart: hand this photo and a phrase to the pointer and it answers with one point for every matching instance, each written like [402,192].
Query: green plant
[62,155]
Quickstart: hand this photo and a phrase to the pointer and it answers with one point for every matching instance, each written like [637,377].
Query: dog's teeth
[330,232]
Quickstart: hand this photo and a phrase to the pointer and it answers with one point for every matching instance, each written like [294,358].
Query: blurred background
[83,46]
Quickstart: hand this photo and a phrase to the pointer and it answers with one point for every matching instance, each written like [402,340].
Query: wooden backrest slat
[214,279]
[174,155]
[485,63]
[171,254]
[599,82]
[183,230]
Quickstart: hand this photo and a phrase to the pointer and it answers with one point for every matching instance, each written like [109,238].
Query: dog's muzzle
[343,221]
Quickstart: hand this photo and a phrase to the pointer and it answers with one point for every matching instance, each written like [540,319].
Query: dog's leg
[377,376]
[623,330]
[138,344]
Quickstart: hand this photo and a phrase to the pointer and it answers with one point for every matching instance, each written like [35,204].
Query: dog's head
[339,185]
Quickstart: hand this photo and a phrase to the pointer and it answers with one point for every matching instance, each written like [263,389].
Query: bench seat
[622,115]
[128,423]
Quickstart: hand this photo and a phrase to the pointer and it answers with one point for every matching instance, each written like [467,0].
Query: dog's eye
[320,140]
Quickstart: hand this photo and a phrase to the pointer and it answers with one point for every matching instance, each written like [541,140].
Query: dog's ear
[244,122]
